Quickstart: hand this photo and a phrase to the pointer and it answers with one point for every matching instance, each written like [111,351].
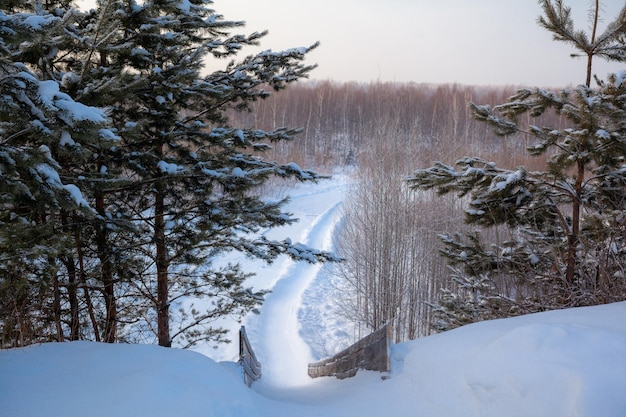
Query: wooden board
[371,353]
[247,359]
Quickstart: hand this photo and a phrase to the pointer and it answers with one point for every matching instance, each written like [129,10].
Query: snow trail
[283,353]
[317,206]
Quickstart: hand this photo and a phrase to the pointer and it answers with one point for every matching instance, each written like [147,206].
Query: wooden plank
[370,353]
[250,364]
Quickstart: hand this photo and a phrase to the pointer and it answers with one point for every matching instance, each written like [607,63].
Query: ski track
[279,334]
[283,353]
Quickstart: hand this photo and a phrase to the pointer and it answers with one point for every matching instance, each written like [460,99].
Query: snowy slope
[557,364]
[292,331]
[562,363]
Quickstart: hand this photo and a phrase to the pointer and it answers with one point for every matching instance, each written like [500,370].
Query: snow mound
[560,363]
[98,379]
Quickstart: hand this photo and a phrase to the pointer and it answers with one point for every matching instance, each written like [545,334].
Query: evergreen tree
[47,140]
[566,223]
[190,175]
[166,183]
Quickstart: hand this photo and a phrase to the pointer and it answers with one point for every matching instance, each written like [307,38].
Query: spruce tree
[47,141]
[566,223]
[166,184]
[190,175]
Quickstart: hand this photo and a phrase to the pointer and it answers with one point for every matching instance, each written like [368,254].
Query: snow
[502,181]
[620,76]
[473,212]
[38,22]
[184,6]
[603,134]
[295,167]
[108,134]
[300,50]
[51,97]
[66,139]
[139,52]
[240,135]
[52,178]
[552,364]
[534,259]
[69,78]
[169,168]
[76,195]
[238,172]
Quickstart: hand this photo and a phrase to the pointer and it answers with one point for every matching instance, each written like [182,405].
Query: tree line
[340,119]
[392,271]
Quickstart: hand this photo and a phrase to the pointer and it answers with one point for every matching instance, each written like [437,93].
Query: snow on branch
[68,110]
[51,178]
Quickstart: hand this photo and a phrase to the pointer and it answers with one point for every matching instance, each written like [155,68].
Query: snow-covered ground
[562,363]
[293,329]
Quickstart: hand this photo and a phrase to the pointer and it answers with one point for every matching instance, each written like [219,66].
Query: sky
[477,42]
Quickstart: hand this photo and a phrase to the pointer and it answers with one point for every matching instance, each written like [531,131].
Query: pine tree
[566,223]
[126,211]
[47,139]
[191,176]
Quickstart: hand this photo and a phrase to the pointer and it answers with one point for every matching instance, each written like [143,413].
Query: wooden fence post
[250,364]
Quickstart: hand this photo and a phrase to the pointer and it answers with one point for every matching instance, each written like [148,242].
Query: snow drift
[559,363]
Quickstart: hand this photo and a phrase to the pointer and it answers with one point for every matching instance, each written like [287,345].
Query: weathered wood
[370,353]
[250,364]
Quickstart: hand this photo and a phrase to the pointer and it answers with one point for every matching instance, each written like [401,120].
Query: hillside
[561,363]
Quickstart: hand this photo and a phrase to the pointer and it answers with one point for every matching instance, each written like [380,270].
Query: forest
[125,171]
[382,131]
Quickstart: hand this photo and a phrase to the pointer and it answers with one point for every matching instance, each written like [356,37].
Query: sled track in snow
[281,350]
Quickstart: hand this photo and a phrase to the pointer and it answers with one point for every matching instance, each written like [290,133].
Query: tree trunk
[70,265]
[56,307]
[572,244]
[590,54]
[163,317]
[83,283]
[162,264]
[106,272]
[72,296]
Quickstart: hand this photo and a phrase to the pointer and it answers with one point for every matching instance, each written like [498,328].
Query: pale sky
[478,42]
